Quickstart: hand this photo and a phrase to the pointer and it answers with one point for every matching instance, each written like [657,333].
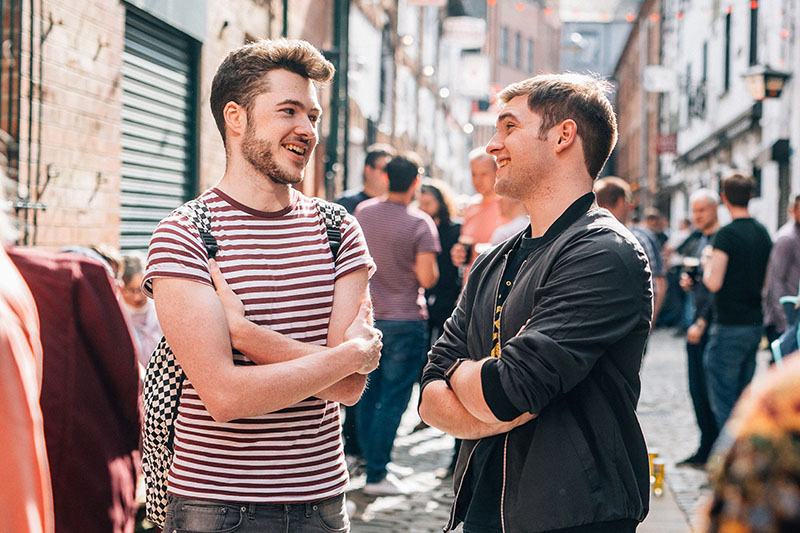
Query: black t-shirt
[747,244]
[485,476]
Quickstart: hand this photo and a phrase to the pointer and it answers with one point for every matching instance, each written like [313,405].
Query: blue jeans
[405,345]
[729,362]
[185,515]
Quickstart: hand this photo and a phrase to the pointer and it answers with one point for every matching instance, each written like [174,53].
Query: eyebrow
[505,115]
[298,103]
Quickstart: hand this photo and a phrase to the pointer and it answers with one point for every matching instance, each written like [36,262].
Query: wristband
[451,370]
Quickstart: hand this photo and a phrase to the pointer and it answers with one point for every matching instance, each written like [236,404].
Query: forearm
[468,388]
[245,391]
[440,408]
[264,346]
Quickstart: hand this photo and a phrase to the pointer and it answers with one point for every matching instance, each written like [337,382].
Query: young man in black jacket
[538,367]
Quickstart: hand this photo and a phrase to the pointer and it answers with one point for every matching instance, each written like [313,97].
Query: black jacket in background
[572,333]
[442,297]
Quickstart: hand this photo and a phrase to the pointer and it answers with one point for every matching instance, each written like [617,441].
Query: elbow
[219,409]
[429,282]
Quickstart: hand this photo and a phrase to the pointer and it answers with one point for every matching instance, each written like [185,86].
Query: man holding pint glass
[704,204]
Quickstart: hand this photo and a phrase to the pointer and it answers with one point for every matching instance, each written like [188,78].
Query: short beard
[260,155]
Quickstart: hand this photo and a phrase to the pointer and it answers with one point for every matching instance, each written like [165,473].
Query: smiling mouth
[502,163]
[296,148]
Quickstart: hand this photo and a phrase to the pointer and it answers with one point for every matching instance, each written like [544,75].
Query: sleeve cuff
[493,393]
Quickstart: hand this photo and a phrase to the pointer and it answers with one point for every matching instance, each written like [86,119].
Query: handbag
[163,381]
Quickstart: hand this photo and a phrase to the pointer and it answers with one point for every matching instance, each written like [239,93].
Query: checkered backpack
[164,378]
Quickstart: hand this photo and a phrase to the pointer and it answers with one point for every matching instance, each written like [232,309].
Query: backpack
[163,380]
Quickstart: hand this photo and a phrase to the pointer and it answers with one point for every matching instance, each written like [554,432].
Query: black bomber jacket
[572,333]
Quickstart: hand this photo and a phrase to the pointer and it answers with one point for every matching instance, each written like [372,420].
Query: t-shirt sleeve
[723,241]
[353,253]
[176,251]
[427,238]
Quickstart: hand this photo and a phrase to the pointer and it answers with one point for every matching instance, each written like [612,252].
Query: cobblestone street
[667,419]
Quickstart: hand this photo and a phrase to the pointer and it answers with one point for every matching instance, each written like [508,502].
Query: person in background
[514,211]
[436,199]
[404,243]
[25,492]
[734,271]
[375,183]
[614,194]
[783,274]
[141,310]
[704,203]
[483,216]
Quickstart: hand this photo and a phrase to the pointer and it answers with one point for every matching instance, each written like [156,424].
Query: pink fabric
[25,494]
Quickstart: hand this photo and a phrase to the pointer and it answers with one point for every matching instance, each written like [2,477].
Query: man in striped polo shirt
[257,439]
[404,242]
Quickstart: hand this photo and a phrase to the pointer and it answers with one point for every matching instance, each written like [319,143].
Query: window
[504,45]
[726,82]
[518,51]
[753,32]
[530,56]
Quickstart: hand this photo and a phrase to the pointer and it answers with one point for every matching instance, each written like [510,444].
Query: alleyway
[667,420]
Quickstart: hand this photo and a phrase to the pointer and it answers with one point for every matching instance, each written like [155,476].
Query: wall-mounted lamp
[764,82]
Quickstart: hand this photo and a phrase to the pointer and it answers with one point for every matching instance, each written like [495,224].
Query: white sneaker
[388,486]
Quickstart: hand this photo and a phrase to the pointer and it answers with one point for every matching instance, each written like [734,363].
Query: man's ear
[567,131]
[235,118]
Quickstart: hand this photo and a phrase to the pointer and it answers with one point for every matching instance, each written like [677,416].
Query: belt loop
[251,511]
[309,509]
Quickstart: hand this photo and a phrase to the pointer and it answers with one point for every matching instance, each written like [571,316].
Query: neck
[400,197]
[242,183]
[711,229]
[738,211]
[549,200]
[372,190]
[488,197]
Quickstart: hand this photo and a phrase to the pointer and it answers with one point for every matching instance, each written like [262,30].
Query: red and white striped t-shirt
[280,266]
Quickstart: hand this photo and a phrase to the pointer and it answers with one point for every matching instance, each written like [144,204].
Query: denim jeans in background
[729,362]
[185,515]
[405,345]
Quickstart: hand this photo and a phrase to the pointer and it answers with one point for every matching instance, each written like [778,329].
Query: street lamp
[764,82]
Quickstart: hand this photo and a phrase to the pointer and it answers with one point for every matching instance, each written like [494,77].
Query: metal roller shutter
[158,126]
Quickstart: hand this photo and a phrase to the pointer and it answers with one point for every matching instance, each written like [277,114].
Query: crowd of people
[523,316]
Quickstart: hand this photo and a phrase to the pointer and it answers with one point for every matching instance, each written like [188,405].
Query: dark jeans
[698,389]
[405,345]
[185,515]
[729,361]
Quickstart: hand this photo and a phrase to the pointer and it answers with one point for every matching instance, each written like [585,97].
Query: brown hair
[582,98]
[610,189]
[240,76]
[444,195]
[737,188]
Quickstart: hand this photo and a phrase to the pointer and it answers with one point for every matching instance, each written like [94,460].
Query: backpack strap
[333,214]
[197,211]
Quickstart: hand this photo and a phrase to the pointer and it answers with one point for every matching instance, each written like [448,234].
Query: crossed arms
[202,326]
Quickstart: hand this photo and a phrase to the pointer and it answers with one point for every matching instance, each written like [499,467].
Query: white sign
[658,79]
[465,32]
[472,76]
[434,3]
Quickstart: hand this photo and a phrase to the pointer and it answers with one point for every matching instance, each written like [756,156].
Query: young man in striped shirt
[268,356]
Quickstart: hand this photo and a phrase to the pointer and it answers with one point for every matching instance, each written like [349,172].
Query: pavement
[667,419]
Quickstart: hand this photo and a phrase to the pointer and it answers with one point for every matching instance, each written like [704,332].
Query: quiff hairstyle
[610,189]
[241,76]
[738,188]
[582,98]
